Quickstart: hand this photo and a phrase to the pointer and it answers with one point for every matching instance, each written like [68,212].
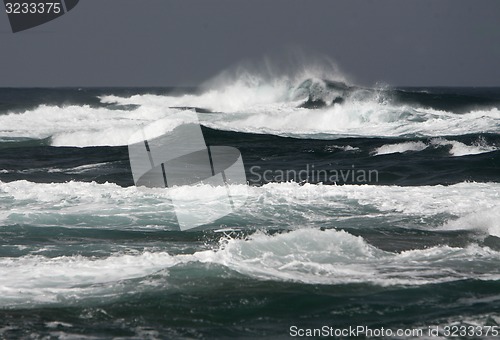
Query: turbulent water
[85,253]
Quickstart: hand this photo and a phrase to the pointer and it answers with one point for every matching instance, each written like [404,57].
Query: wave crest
[310,103]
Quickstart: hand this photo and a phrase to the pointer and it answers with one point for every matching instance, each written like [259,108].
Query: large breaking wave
[303,106]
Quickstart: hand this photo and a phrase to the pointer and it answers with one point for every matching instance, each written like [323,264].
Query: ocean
[366,207]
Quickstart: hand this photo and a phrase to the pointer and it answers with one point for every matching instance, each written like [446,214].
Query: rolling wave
[461,149]
[308,256]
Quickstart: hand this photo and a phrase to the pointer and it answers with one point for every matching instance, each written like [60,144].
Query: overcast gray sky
[185,42]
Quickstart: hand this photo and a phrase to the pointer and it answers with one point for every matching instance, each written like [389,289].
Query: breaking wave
[306,105]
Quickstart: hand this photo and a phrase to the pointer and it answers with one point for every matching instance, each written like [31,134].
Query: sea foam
[92,205]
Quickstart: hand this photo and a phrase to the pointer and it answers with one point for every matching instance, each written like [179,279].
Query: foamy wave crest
[33,280]
[83,125]
[306,255]
[346,148]
[461,149]
[337,257]
[400,148]
[273,109]
[250,87]
[456,148]
[486,221]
